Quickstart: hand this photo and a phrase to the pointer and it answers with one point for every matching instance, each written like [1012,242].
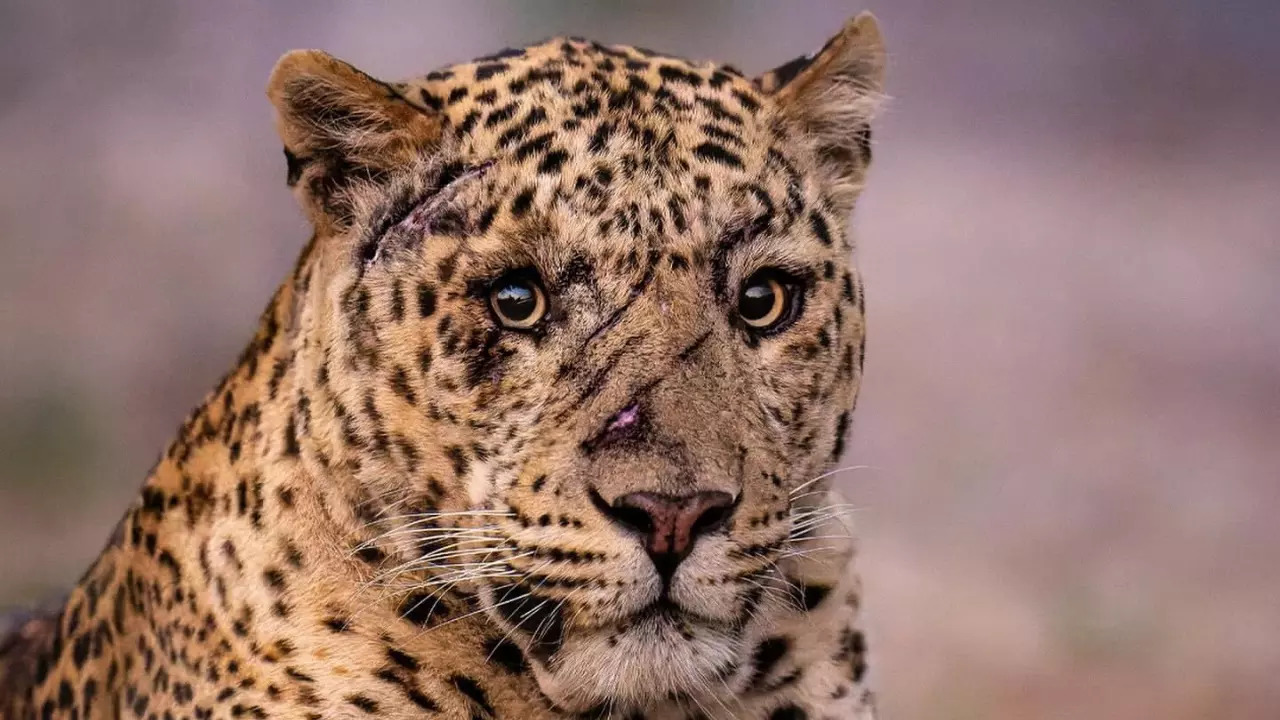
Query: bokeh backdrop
[1069,437]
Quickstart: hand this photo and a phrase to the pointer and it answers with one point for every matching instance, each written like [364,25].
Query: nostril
[711,519]
[634,518]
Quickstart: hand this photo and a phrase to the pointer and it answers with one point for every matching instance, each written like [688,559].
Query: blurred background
[1071,414]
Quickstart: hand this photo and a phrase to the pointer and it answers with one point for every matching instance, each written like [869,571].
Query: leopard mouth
[665,613]
[659,611]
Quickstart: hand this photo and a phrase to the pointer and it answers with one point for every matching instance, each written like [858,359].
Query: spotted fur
[392,506]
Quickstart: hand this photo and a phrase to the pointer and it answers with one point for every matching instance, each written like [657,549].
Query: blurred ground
[1072,250]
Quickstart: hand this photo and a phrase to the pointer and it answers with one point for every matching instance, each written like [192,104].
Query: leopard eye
[519,301]
[765,301]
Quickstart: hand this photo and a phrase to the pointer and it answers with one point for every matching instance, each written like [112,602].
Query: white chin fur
[646,665]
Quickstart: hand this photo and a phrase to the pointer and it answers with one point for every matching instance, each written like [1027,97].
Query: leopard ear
[342,128]
[833,95]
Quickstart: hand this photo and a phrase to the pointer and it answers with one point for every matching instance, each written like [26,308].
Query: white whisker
[829,473]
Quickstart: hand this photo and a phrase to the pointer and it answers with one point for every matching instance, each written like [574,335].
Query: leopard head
[581,338]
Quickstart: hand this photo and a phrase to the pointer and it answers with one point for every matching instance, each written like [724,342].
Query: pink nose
[670,525]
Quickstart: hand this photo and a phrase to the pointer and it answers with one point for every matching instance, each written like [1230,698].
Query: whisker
[829,473]
[423,534]
[473,612]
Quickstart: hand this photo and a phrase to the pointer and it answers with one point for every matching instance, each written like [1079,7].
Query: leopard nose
[670,524]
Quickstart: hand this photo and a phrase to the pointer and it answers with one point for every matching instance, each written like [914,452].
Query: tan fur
[391,506]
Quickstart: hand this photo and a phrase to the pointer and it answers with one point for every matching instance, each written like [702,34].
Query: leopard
[542,423]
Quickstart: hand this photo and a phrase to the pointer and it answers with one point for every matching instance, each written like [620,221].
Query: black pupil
[757,301]
[517,301]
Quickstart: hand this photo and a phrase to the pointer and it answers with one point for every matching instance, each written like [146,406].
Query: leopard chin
[661,656]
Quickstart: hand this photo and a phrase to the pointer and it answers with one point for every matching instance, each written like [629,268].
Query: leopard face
[580,337]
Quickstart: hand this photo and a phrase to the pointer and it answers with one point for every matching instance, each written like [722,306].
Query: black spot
[766,657]
[552,161]
[788,712]
[500,115]
[458,459]
[600,711]
[426,300]
[400,384]
[446,267]
[418,698]
[291,447]
[512,135]
[469,121]
[66,697]
[367,704]
[719,111]
[675,74]
[522,202]
[549,75]
[371,555]
[506,654]
[819,225]
[503,54]
[719,133]
[814,595]
[274,579]
[863,140]
[422,609]
[853,650]
[484,72]
[748,102]
[81,647]
[717,153]
[486,219]
[431,101]
[846,288]
[842,427]
[293,167]
[401,658]
[718,78]
[536,146]
[487,97]
[88,695]
[528,613]
[457,94]
[472,690]
[600,138]
[588,108]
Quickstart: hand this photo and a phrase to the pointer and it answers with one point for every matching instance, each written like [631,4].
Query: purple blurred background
[1071,415]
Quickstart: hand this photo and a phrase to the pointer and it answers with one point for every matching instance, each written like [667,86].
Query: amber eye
[765,301]
[519,301]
